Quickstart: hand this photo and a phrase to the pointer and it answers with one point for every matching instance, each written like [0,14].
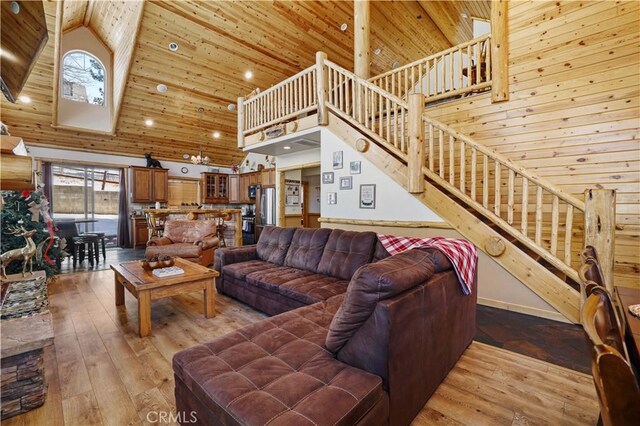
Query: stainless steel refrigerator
[265,209]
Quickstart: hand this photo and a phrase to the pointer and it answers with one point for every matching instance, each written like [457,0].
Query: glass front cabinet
[215,188]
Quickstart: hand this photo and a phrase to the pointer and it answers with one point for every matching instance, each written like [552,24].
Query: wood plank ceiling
[218,41]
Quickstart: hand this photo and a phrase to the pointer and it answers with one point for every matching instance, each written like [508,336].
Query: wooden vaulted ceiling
[218,41]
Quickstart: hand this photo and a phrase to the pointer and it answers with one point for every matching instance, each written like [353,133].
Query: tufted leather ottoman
[277,372]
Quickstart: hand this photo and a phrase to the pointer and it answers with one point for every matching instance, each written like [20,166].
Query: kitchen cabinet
[215,188]
[268,177]
[234,189]
[244,188]
[149,184]
[140,231]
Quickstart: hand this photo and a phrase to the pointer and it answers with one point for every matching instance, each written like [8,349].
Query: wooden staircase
[524,222]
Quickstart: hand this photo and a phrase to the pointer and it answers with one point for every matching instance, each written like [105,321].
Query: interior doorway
[299,196]
[89,196]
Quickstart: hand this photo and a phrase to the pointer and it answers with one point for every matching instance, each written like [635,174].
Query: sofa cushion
[240,270]
[184,250]
[188,231]
[274,243]
[376,282]
[271,278]
[306,248]
[278,372]
[379,252]
[345,252]
[313,288]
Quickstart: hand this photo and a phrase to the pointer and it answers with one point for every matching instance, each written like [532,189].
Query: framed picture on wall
[327,177]
[346,182]
[355,167]
[332,198]
[368,196]
[337,160]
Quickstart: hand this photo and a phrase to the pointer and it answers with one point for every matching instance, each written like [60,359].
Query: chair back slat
[615,381]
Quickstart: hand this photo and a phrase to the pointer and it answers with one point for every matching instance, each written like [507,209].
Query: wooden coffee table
[145,287]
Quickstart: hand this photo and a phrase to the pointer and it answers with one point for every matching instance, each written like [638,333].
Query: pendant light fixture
[199,159]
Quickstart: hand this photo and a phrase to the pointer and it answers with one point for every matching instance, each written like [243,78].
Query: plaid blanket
[462,254]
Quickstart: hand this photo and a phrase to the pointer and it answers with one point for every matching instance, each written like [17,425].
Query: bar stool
[88,243]
[101,240]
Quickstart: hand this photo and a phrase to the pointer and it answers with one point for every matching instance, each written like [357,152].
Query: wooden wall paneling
[447,15]
[60,9]
[572,113]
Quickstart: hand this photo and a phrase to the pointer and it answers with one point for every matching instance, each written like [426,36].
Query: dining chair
[616,384]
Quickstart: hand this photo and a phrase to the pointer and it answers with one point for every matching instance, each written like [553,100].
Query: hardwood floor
[101,372]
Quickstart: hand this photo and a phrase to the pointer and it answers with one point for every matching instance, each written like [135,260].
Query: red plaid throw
[462,254]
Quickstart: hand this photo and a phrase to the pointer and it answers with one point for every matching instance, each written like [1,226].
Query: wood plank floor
[101,372]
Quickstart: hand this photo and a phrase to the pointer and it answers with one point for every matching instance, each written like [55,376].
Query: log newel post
[321,86]
[416,156]
[600,228]
[499,51]
[240,122]
[361,38]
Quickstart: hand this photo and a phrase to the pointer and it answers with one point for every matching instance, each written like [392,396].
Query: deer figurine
[26,252]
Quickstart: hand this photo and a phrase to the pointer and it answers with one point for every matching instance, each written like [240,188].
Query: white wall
[80,114]
[313,199]
[393,202]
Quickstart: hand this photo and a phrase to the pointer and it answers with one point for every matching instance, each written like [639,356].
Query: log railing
[459,70]
[280,103]
[538,214]
[379,114]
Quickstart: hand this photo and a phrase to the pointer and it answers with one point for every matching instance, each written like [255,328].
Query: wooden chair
[614,379]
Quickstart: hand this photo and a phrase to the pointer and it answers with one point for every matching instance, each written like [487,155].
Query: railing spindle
[555,216]
[485,181]
[452,158]
[510,196]
[474,159]
[441,153]
[538,237]
[568,234]
[525,205]
[497,190]
[431,147]
[463,166]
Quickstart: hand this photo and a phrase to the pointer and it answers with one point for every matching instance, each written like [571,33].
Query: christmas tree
[30,210]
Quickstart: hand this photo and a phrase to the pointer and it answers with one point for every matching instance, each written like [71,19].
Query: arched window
[83,78]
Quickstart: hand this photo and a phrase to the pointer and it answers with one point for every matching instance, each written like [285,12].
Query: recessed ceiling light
[395,65]
[286,147]
[343,27]
[216,134]
[162,88]
[464,15]
[377,52]
[173,46]
[231,107]
[148,122]
[15,7]
[24,99]
[186,156]
[248,75]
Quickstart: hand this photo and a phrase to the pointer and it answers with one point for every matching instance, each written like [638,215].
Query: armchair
[193,240]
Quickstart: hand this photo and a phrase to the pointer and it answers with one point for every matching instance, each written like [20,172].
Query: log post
[361,38]
[600,228]
[240,122]
[499,51]
[416,158]
[322,83]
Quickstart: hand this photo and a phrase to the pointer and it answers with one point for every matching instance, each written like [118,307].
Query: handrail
[570,199]
[459,70]
[275,87]
[432,57]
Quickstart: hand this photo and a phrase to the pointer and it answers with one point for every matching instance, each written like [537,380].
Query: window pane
[83,78]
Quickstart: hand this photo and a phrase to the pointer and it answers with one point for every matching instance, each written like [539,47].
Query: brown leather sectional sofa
[364,338]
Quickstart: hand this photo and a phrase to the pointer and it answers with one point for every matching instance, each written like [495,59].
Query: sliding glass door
[88,196]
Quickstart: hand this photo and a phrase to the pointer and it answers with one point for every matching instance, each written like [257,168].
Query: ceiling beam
[56,61]
[437,18]
[88,11]
[125,78]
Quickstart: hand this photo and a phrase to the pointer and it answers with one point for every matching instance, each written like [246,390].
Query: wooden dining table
[628,296]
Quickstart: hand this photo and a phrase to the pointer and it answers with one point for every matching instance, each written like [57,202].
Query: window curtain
[47,180]
[124,239]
